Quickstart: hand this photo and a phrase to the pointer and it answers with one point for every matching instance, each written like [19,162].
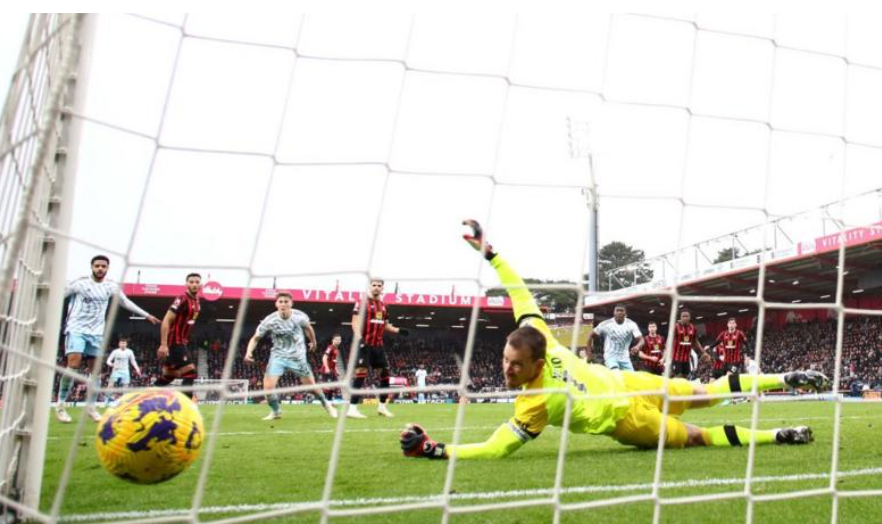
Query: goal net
[316,152]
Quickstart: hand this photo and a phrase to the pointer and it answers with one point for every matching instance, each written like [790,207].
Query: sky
[323,166]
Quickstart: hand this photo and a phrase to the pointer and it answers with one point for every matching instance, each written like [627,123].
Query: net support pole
[51,297]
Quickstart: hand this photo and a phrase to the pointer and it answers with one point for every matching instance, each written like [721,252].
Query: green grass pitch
[261,465]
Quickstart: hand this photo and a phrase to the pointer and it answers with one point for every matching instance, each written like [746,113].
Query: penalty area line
[486,495]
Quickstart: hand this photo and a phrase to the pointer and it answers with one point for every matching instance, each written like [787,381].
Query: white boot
[383,412]
[354,412]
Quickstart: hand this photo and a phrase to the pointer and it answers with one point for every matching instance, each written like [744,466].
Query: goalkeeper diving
[534,360]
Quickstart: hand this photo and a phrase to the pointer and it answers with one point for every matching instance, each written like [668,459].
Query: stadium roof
[808,275]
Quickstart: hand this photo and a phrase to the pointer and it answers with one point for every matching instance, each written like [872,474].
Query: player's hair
[123,338]
[100,257]
[380,280]
[193,275]
[335,335]
[620,306]
[730,319]
[528,337]
[652,323]
[685,311]
[281,294]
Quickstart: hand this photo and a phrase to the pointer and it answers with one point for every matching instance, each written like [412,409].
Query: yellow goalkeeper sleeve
[507,439]
[526,311]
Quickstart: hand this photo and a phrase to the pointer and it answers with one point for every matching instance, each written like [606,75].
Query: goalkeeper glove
[403,332]
[416,443]
[476,239]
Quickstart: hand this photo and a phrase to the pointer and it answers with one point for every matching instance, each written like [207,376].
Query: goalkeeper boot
[797,435]
[814,380]
[62,415]
[354,412]
[383,412]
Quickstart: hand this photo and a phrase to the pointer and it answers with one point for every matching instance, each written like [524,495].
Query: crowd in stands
[809,345]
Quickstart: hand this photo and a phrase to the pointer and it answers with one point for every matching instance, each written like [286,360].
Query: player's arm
[507,439]
[326,366]
[356,323]
[127,303]
[701,350]
[526,311]
[252,343]
[389,328]
[135,363]
[646,356]
[718,342]
[635,332]
[164,329]
[111,358]
[310,334]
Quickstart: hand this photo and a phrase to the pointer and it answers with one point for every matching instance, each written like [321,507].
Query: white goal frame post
[38,144]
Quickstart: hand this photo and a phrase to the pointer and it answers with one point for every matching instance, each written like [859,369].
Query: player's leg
[74,345]
[378,360]
[738,383]
[307,379]
[275,368]
[90,353]
[359,375]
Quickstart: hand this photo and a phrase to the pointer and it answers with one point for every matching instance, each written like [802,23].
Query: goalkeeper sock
[736,383]
[64,388]
[737,436]
[273,402]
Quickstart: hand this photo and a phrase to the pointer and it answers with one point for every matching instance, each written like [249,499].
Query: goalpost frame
[48,190]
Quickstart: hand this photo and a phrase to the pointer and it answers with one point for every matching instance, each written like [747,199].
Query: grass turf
[258,464]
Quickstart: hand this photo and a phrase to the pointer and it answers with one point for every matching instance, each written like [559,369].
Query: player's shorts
[654,371]
[622,365]
[329,377]
[719,372]
[88,345]
[120,379]
[371,356]
[681,368]
[734,368]
[278,365]
[641,425]
[178,356]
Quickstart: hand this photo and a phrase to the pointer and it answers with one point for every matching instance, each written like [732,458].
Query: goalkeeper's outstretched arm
[507,439]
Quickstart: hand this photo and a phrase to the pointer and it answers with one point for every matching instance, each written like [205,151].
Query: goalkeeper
[534,360]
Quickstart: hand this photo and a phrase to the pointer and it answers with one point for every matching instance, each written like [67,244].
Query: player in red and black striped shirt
[369,340]
[653,353]
[330,373]
[174,335]
[685,340]
[729,345]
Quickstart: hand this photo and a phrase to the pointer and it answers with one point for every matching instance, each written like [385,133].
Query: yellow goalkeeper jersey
[563,371]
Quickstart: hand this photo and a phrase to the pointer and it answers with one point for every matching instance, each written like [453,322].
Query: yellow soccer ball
[150,436]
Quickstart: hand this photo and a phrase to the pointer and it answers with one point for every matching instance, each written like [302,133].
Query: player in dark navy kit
[173,353]
[369,340]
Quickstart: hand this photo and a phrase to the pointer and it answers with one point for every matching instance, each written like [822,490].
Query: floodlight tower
[579,136]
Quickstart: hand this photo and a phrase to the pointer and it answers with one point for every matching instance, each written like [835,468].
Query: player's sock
[187,381]
[273,401]
[357,383]
[384,383]
[322,398]
[737,436]
[64,389]
[736,383]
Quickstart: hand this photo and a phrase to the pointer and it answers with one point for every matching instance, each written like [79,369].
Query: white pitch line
[486,495]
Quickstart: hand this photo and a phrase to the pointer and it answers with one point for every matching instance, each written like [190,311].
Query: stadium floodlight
[579,140]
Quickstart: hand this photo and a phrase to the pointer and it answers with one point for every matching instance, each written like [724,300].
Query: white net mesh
[698,125]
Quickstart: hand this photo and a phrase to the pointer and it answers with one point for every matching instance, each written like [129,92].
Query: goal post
[38,145]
